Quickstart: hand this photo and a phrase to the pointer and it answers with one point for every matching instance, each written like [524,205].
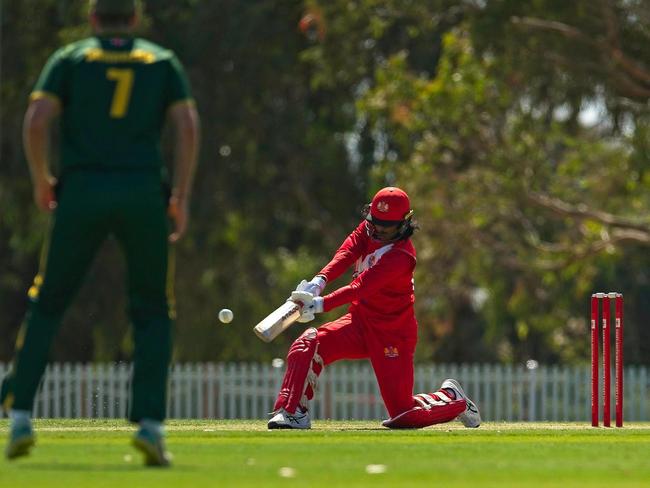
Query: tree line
[519,129]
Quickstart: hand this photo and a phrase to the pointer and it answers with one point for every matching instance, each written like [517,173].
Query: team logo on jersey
[391,352]
[382,206]
[370,260]
[118,41]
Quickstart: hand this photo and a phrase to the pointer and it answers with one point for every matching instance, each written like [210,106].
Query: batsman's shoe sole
[154,452]
[470,418]
[276,425]
[20,446]
[285,425]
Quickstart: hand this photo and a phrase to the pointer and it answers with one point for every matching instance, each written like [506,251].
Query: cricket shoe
[21,439]
[470,417]
[152,445]
[284,420]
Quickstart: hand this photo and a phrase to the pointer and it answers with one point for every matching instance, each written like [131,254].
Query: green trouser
[92,205]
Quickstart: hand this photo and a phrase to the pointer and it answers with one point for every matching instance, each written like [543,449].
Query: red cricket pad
[303,367]
[390,204]
[433,412]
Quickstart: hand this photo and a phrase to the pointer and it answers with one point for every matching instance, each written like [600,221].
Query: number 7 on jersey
[122,95]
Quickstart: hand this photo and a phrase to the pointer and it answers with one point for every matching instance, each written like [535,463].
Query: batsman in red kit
[379,325]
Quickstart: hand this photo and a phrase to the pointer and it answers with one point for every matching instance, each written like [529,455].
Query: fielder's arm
[36,136]
[186,123]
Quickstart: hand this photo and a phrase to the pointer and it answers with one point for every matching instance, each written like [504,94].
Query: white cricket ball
[226,315]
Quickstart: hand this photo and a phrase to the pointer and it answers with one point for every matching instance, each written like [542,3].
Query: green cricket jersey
[114,92]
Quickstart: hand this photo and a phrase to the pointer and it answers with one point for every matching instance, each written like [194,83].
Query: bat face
[277,321]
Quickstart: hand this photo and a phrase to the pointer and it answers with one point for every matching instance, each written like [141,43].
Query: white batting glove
[315,286]
[311,305]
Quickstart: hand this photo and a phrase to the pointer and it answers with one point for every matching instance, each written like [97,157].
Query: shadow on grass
[102,467]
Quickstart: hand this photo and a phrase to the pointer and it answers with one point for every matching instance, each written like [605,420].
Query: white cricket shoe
[284,420]
[470,417]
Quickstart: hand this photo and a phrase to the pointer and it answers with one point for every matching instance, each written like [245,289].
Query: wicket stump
[606,314]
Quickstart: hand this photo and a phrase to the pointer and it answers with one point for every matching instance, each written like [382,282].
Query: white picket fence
[347,390]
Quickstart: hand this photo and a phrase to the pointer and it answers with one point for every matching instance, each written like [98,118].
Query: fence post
[347,390]
[643,392]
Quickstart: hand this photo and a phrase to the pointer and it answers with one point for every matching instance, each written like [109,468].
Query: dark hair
[410,226]
[365,210]
[112,21]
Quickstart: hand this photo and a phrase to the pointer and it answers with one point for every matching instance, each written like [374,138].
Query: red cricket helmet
[390,206]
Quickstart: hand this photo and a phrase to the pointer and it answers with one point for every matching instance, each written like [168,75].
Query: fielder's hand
[44,195]
[178,212]
[311,305]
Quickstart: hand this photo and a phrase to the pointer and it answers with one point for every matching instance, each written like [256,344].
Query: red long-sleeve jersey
[382,288]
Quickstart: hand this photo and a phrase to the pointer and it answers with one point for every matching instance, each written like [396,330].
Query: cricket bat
[278,321]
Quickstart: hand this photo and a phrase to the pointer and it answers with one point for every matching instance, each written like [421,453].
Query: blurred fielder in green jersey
[112,94]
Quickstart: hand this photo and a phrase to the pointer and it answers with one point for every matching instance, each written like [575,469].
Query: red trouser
[390,354]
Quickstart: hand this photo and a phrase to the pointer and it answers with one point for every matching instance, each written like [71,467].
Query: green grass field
[84,453]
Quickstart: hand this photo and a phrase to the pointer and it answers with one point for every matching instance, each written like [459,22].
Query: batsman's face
[384,233]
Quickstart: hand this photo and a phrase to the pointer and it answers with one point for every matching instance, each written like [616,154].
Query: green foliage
[477,109]
[492,165]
